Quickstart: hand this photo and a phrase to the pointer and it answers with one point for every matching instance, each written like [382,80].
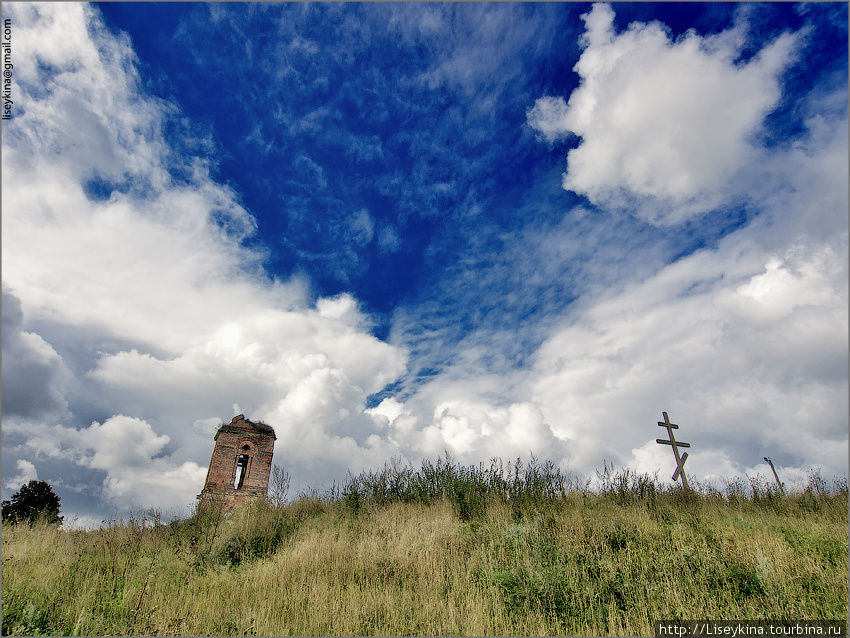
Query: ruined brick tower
[241,462]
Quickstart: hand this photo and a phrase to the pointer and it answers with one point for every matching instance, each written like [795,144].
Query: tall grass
[468,488]
[518,548]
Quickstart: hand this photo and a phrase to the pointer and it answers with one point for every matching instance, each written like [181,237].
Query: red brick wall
[228,446]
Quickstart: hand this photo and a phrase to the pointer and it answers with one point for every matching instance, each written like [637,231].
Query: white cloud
[34,375]
[207,427]
[743,344]
[26,473]
[475,430]
[121,442]
[362,227]
[166,319]
[307,373]
[126,449]
[343,308]
[265,353]
[152,251]
[489,49]
[470,414]
[666,126]
[388,240]
[745,349]
[126,452]
[309,172]
[549,117]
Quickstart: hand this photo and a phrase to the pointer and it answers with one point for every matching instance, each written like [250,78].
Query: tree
[34,499]
[279,486]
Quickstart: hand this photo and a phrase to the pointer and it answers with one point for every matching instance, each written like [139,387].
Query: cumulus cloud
[308,373]
[124,268]
[472,428]
[126,448]
[740,372]
[161,323]
[34,375]
[26,473]
[666,126]
[744,344]
[127,453]
[158,245]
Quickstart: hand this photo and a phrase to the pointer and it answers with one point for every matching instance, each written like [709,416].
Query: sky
[395,230]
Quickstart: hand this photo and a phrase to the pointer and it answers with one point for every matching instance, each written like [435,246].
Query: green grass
[516,550]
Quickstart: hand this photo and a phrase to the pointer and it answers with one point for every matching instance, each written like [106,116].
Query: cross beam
[680,461]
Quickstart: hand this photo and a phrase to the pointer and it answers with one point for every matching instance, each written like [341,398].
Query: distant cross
[680,461]
[775,475]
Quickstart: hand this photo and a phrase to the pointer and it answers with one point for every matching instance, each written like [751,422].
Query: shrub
[627,486]
[256,530]
[468,499]
[522,591]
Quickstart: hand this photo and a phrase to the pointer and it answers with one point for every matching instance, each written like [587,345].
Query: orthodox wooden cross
[775,475]
[680,461]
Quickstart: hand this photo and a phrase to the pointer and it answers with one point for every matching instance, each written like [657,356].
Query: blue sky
[391,230]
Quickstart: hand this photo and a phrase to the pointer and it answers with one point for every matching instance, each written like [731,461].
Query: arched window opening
[241,470]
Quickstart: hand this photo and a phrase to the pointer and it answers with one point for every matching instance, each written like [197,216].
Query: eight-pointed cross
[680,462]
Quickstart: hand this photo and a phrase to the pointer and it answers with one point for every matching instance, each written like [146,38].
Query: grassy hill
[442,550]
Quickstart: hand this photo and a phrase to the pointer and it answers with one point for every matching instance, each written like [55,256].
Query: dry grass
[575,564]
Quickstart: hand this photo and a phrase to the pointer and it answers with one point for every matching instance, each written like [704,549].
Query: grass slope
[469,557]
